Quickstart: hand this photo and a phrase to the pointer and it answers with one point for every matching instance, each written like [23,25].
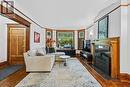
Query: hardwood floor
[121,82]
[15,78]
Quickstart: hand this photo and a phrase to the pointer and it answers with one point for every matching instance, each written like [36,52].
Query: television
[87,45]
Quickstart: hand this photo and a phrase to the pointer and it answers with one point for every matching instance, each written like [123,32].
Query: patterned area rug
[72,75]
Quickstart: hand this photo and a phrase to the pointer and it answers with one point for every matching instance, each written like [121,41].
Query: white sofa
[39,63]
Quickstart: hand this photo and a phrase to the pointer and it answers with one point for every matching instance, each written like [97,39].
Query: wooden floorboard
[14,79]
[104,82]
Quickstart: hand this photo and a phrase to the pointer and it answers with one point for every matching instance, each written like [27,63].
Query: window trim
[73,31]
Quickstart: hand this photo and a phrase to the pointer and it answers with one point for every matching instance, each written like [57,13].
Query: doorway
[18,43]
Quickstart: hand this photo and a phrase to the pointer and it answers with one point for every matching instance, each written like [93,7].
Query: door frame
[27,43]
[83,30]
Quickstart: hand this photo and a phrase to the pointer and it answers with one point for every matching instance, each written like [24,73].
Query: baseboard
[77,55]
[125,77]
[3,64]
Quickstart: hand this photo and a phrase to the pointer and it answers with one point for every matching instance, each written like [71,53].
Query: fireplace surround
[102,58]
[106,56]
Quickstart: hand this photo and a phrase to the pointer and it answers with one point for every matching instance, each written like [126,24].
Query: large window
[65,39]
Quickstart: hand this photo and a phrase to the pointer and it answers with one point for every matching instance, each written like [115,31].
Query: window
[103,28]
[65,39]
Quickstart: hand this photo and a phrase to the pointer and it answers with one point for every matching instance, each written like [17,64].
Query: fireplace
[106,56]
[102,58]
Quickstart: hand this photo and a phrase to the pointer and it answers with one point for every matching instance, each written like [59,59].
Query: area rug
[9,70]
[72,75]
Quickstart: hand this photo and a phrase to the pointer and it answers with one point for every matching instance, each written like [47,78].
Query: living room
[94,46]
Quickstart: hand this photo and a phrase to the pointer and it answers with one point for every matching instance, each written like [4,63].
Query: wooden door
[17,44]
[81,38]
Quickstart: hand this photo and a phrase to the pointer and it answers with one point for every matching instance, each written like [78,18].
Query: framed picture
[36,37]
[49,34]
[81,34]
[103,28]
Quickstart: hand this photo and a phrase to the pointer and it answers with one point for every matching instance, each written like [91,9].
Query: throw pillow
[32,53]
[52,50]
[40,50]
[39,54]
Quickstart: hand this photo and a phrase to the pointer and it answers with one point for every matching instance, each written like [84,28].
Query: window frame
[65,31]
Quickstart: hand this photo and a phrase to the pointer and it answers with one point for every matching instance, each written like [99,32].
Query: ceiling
[62,14]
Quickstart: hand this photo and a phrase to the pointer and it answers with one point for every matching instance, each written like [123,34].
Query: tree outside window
[65,39]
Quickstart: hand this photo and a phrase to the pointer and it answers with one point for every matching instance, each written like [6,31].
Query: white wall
[123,42]
[129,35]
[128,1]
[89,33]
[117,28]
[114,26]
[115,23]
[35,28]
[86,34]
[107,10]
[3,37]
[76,39]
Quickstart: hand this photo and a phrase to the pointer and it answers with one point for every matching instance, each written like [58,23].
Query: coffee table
[57,55]
[65,57]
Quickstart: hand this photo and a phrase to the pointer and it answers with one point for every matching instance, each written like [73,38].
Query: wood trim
[27,43]
[104,82]
[115,57]
[15,17]
[49,29]
[27,33]
[23,14]
[124,77]
[27,38]
[13,79]
[107,17]
[12,25]
[108,13]
[3,64]
[66,31]
[93,72]
[79,39]
[125,5]
[81,31]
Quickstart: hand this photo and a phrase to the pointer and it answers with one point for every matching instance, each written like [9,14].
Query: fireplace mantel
[114,44]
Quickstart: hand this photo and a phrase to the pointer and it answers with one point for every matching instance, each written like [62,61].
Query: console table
[67,51]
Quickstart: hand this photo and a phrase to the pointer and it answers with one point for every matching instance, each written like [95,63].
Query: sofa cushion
[41,52]
[47,50]
[44,50]
[32,52]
